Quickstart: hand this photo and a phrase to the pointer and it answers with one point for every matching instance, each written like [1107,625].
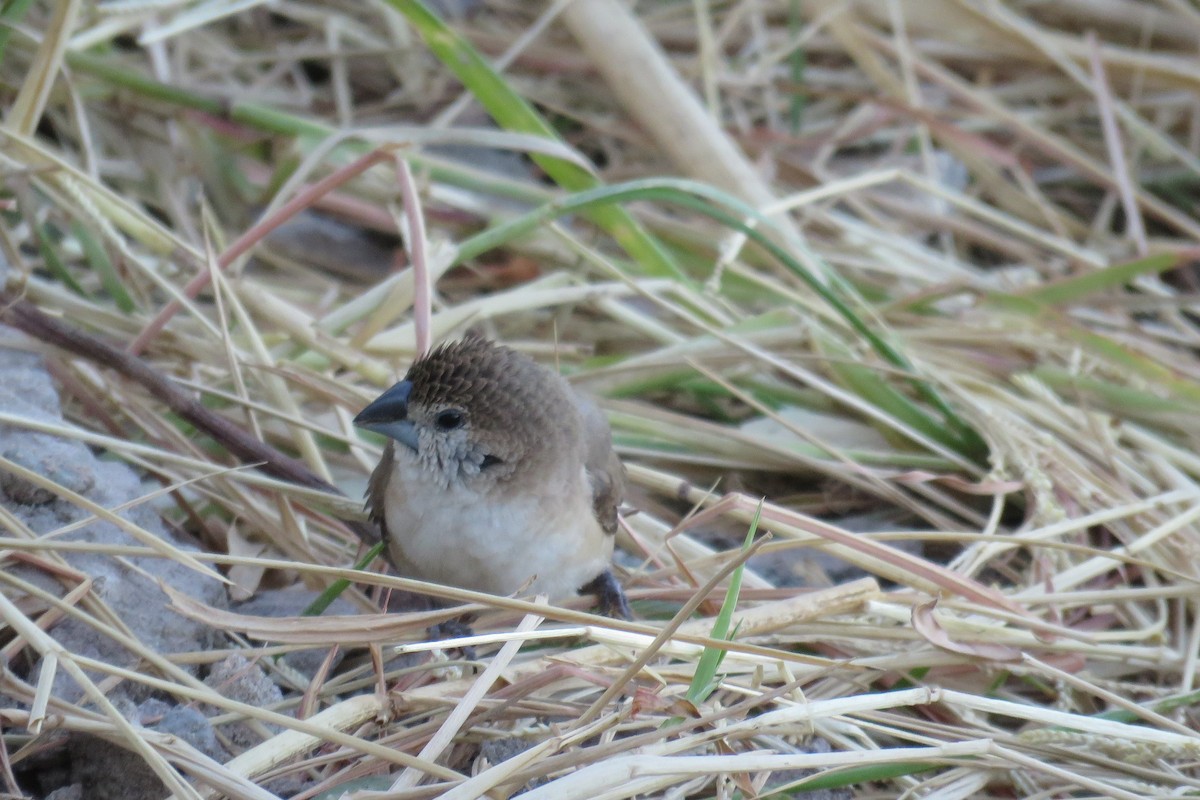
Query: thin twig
[257,233]
[25,316]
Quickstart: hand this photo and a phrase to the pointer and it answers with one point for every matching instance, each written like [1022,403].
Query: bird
[497,476]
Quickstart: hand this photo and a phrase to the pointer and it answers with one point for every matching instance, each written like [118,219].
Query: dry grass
[1000,196]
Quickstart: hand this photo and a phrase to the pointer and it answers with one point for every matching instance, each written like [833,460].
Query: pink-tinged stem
[417,251]
[257,233]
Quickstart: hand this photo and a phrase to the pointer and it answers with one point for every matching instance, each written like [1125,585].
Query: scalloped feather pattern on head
[513,405]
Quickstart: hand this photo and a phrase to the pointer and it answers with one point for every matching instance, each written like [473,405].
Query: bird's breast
[544,539]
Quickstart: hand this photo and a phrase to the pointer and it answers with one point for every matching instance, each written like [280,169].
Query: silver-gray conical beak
[388,415]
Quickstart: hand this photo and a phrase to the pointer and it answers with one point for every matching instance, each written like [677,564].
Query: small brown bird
[497,477]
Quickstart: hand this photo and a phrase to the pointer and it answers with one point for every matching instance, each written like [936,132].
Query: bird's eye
[449,419]
[489,461]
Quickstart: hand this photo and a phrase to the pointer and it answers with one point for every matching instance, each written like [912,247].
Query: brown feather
[519,410]
[377,489]
[604,469]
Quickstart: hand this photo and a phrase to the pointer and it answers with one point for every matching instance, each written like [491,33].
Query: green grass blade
[513,113]
[1164,706]
[11,14]
[797,64]
[866,383]
[1117,399]
[1077,287]
[270,120]
[704,680]
[331,593]
[852,776]
[1117,355]
[54,264]
[98,259]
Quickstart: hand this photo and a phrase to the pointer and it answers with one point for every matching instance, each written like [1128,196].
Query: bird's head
[477,412]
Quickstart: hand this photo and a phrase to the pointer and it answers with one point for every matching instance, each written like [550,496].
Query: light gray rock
[128,585]
[185,722]
[238,679]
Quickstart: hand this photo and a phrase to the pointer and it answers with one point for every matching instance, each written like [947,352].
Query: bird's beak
[388,415]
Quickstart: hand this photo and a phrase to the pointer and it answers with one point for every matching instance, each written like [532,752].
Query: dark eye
[449,419]
[489,461]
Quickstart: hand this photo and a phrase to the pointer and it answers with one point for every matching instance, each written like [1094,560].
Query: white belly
[501,546]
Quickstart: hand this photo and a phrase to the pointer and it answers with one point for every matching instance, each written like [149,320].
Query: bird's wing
[377,488]
[607,487]
[604,469]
